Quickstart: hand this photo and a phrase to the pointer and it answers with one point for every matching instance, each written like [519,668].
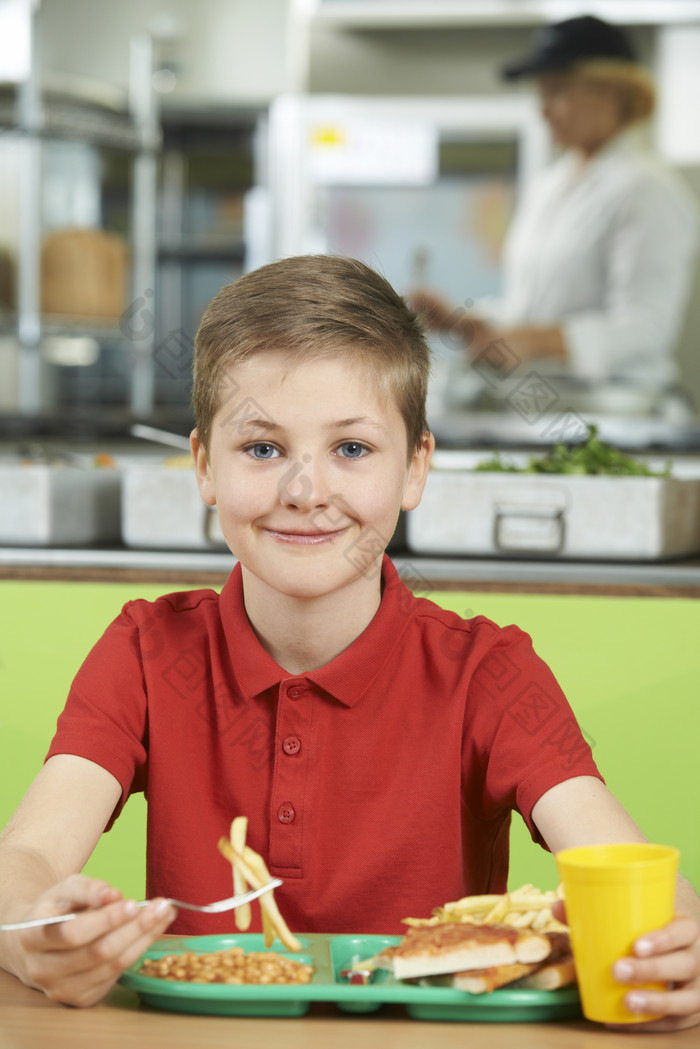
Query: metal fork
[206,908]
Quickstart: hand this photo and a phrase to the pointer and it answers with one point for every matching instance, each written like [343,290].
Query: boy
[376,742]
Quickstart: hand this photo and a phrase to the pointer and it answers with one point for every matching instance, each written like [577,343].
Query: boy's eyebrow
[261,424]
[366,419]
[268,424]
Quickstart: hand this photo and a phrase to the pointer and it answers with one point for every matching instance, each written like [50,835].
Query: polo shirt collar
[349,675]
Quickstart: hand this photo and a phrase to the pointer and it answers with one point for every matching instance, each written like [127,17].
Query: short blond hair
[314,307]
[634,86]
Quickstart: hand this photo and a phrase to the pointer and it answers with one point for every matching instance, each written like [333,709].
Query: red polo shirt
[377,787]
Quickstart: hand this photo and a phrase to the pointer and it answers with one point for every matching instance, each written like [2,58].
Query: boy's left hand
[668,955]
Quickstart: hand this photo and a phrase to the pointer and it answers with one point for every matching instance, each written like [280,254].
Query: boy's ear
[205,481]
[418,472]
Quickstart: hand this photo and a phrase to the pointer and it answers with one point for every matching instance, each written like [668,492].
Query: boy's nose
[304,485]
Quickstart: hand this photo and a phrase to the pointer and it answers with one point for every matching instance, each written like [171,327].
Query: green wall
[630,667]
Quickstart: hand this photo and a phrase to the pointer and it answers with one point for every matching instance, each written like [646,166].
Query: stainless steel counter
[116,558]
[424,574]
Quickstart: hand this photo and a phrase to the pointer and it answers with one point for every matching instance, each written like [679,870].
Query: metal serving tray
[329,955]
[46,504]
[162,509]
[554,516]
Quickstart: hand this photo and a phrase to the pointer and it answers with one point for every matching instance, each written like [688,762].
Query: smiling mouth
[304,538]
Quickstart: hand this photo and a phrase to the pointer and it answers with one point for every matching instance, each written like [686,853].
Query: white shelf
[419,14]
[62,118]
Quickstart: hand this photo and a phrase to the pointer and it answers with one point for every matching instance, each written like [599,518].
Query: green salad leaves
[591,457]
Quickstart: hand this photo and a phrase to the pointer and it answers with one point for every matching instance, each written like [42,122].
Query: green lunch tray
[329,955]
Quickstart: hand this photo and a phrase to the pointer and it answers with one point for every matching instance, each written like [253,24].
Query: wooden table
[30,1021]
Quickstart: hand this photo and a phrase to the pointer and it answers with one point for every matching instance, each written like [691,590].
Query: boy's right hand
[77,962]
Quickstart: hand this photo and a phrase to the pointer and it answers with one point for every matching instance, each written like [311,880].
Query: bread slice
[458,948]
[482,981]
[551,977]
[558,970]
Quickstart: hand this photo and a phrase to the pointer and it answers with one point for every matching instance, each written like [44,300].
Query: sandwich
[460,948]
[554,971]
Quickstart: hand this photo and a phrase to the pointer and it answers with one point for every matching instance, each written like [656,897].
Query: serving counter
[30,1021]
[423,574]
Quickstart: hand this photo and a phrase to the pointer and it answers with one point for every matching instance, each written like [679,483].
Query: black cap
[561,45]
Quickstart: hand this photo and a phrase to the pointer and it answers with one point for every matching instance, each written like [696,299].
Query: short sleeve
[521,735]
[105,717]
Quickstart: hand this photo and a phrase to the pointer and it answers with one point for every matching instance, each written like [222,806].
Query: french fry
[521,920]
[498,912]
[267,902]
[472,903]
[252,867]
[243,915]
[269,931]
[523,908]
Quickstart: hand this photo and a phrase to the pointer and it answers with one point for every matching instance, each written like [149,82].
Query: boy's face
[308,467]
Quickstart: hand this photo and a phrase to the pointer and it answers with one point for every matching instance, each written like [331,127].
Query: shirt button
[291,745]
[295,691]
[286,813]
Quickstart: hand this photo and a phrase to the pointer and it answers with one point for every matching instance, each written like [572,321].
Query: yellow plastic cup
[613,895]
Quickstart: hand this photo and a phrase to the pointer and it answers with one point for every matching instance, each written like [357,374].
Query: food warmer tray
[162,509]
[555,516]
[57,504]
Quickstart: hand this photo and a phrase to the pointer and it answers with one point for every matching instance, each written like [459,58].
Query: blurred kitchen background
[152,152]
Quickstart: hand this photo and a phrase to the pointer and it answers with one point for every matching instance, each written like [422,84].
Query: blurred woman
[598,261]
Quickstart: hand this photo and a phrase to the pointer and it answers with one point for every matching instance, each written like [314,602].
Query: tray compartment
[344,952]
[280,1000]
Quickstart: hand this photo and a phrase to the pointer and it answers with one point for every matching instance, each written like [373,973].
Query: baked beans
[232,966]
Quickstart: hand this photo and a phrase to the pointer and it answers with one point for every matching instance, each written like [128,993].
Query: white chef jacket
[606,250]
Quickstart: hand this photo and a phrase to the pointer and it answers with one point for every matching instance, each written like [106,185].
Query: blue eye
[261,450]
[352,450]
